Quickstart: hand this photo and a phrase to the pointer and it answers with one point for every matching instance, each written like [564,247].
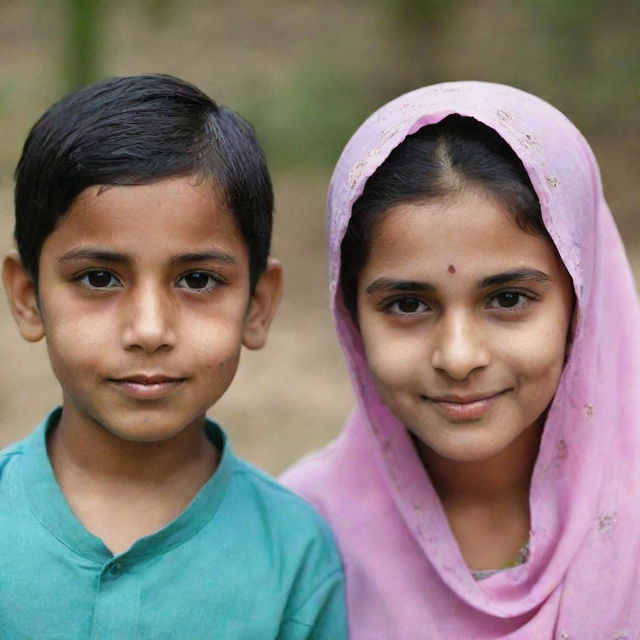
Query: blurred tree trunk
[418,30]
[82,59]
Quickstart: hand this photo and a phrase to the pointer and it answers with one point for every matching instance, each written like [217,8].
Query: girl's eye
[99,279]
[197,281]
[509,300]
[407,306]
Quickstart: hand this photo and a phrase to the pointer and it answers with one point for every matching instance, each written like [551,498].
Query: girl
[486,485]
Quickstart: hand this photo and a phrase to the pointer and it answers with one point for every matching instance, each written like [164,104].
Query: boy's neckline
[50,507]
[123,490]
[79,443]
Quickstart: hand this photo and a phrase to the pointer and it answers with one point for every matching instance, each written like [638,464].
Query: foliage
[85,22]
[305,119]
[86,35]
[582,54]
[410,11]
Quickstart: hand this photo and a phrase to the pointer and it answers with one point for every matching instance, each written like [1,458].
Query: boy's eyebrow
[515,275]
[100,255]
[214,255]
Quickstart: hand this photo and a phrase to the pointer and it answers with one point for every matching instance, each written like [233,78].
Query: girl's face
[464,319]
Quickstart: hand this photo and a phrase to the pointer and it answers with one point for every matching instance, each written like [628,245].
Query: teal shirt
[246,560]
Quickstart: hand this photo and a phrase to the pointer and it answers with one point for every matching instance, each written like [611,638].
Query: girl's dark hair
[438,161]
[137,130]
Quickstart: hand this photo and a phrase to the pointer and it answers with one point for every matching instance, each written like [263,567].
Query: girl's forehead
[471,218]
[469,236]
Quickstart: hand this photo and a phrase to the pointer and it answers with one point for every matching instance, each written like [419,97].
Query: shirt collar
[50,508]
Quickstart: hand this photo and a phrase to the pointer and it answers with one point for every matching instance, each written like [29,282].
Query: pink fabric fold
[406,578]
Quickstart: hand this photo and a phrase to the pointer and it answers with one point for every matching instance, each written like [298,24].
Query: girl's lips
[463,409]
[151,388]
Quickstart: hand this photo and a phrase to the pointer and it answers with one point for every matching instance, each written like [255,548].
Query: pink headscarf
[406,578]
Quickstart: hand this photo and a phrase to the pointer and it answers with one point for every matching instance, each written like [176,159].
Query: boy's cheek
[73,360]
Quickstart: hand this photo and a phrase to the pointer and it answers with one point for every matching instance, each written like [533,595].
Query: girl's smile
[466,358]
[461,408]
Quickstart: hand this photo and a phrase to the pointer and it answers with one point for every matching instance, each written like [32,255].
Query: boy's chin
[143,427]
[144,432]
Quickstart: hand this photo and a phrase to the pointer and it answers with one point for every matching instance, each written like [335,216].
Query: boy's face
[144,301]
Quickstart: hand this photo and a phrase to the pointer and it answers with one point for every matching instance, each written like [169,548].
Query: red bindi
[451,269]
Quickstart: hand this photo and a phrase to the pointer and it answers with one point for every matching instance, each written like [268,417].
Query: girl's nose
[149,322]
[459,347]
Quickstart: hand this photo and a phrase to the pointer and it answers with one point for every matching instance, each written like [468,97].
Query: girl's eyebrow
[390,284]
[515,275]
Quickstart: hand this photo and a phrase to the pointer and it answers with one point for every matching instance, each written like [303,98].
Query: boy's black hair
[438,161]
[137,130]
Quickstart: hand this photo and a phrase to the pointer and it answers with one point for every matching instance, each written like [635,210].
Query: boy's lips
[460,408]
[147,387]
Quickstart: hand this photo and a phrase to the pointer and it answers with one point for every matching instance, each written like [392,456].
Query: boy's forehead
[175,216]
[189,189]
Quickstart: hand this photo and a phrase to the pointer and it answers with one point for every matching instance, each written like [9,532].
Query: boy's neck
[122,491]
[83,446]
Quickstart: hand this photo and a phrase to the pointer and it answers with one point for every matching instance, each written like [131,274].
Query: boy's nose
[149,322]
[459,347]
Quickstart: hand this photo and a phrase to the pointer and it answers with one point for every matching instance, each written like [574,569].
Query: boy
[143,223]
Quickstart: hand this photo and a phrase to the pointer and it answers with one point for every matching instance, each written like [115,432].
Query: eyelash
[525,298]
[80,278]
[214,280]
[388,305]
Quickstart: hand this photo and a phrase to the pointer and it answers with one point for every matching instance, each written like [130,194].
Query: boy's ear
[21,292]
[262,307]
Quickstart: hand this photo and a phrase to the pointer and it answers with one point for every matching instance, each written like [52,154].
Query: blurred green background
[306,74]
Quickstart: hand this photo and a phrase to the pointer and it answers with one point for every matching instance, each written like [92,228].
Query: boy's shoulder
[10,455]
[298,541]
[24,451]
[12,495]
[279,503]
[14,449]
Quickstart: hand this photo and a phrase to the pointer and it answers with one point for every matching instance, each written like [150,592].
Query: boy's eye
[197,281]
[407,306]
[508,300]
[99,279]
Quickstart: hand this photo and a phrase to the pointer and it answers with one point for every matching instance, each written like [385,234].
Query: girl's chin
[461,448]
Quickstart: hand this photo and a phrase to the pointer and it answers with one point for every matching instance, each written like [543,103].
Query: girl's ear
[262,307]
[21,292]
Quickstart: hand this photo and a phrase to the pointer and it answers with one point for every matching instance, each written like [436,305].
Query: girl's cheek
[538,361]
[393,362]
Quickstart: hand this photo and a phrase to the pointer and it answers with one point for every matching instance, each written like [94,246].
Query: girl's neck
[487,502]
[498,479]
